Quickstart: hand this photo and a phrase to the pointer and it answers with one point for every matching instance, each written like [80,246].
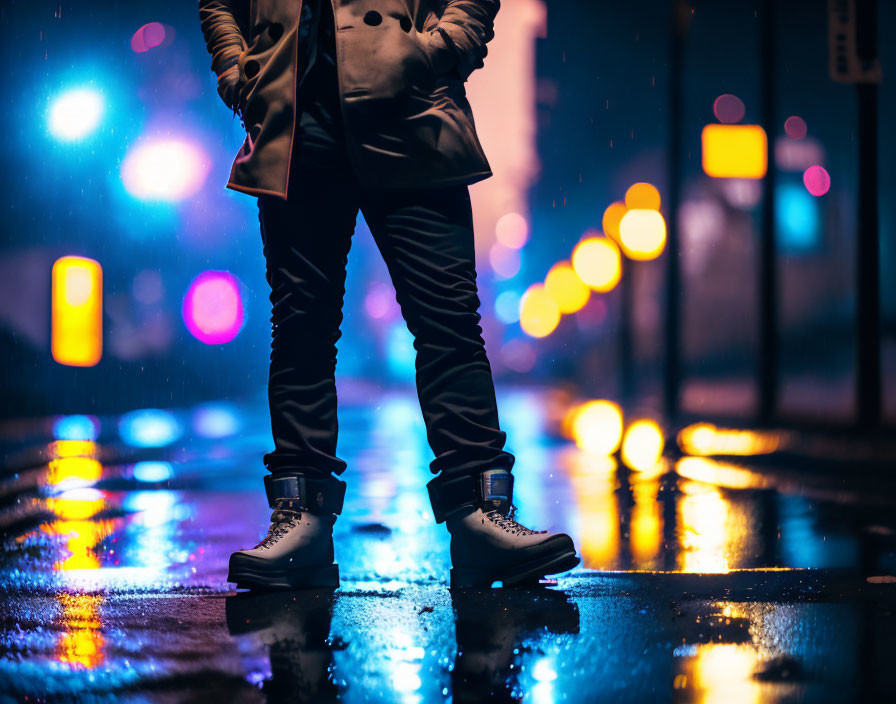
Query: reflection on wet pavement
[701,579]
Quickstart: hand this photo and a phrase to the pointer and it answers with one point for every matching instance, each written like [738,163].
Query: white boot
[488,545]
[297,552]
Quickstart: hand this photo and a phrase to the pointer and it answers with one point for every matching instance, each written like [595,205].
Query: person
[355,105]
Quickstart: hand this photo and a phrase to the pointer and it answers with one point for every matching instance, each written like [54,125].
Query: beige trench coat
[402,65]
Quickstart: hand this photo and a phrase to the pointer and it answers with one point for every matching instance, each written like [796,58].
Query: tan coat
[401,87]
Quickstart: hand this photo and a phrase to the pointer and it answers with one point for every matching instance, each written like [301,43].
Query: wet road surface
[701,581]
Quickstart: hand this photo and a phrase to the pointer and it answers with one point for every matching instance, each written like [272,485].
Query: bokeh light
[612,217]
[705,439]
[76,428]
[598,263]
[512,230]
[597,427]
[213,308]
[643,445]
[519,355]
[153,472]
[216,420]
[795,127]
[643,234]
[642,196]
[149,427]
[507,307]
[734,151]
[817,180]
[505,261]
[539,314]
[165,170]
[77,312]
[76,113]
[798,219]
[148,37]
[729,109]
[566,288]
[380,301]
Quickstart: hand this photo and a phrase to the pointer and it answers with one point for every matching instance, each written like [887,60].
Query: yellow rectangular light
[77,312]
[735,151]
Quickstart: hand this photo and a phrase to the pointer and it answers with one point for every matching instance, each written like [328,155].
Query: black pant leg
[426,239]
[306,240]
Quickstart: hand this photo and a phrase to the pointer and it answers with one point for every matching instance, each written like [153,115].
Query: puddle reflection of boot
[490,625]
[296,627]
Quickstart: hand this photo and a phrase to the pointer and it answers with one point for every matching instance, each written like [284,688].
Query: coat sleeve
[221,22]
[467,26]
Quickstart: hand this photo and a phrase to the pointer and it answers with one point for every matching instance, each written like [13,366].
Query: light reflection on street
[118,579]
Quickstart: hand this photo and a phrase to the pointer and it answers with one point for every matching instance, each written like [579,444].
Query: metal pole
[868,372]
[768,274]
[681,13]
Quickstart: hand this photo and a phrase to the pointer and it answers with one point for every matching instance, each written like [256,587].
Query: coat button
[275,31]
[251,68]
[373,18]
[405,23]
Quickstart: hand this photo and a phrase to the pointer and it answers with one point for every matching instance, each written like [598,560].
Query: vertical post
[627,389]
[868,373]
[672,378]
[768,273]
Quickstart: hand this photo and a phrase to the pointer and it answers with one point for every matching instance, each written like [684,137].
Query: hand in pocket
[228,86]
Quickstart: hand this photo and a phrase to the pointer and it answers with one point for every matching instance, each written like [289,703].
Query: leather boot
[487,543]
[297,552]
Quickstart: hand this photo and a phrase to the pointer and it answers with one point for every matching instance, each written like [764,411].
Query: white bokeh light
[164,169]
[76,113]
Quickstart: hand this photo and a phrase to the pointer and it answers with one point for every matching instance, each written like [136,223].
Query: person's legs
[306,244]
[426,239]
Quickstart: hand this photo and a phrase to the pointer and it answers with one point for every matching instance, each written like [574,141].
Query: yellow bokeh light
[598,263]
[642,196]
[566,288]
[705,439]
[643,445]
[80,469]
[594,488]
[73,448]
[539,314]
[82,641]
[703,519]
[642,234]
[597,427]
[612,217]
[77,312]
[735,151]
[646,529]
[709,471]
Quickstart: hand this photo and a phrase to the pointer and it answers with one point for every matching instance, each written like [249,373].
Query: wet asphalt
[706,582]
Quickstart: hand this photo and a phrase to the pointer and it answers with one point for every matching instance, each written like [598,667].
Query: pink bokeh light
[795,127]
[729,109]
[213,308]
[148,37]
[817,180]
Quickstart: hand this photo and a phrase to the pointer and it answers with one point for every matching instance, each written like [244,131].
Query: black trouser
[426,239]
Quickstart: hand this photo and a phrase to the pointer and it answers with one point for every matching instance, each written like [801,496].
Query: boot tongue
[285,509]
[501,506]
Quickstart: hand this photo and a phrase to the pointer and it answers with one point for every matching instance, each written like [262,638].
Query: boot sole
[525,574]
[323,576]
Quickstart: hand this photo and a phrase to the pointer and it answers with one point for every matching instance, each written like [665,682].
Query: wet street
[700,580]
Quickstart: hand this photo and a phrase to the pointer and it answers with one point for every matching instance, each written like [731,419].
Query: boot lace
[284,518]
[508,523]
